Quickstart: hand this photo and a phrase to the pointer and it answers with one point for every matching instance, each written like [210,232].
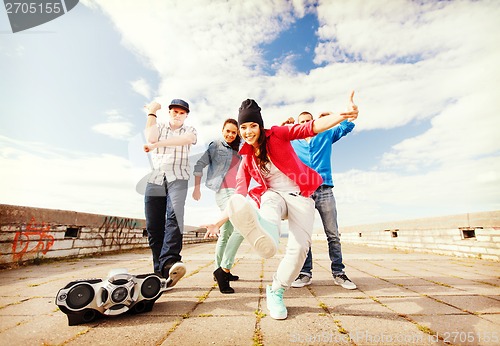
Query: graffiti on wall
[34,239]
[116,231]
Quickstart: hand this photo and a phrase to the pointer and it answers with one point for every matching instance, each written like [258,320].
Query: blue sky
[425,74]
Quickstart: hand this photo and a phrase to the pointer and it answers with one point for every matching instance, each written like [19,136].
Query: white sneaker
[301,281]
[262,235]
[175,272]
[344,281]
[275,304]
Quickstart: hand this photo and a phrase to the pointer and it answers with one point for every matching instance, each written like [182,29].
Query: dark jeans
[327,208]
[164,208]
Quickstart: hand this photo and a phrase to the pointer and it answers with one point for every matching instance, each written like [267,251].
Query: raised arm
[289,121]
[185,139]
[151,131]
[326,122]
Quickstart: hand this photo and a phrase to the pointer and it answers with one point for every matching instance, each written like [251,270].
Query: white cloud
[205,52]
[373,31]
[408,61]
[142,87]
[116,127]
[461,132]
[68,180]
[466,186]
[114,115]
[117,130]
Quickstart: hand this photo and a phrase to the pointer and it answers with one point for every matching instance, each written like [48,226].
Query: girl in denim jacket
[222,160]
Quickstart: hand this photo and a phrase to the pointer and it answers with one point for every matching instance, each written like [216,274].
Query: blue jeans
[327,208]
[164,208]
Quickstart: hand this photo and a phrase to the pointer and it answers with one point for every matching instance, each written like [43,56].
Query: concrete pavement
[403,298]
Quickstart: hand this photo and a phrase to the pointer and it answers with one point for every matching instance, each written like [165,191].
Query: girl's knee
[299,251]
[304,250]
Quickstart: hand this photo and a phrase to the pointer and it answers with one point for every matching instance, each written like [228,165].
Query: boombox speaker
[85,300]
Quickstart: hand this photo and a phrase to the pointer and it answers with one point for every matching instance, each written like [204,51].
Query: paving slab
[218,330]
[306,328]
[142,330]
[356,307]
[463,329]
[474,304]
[435,289]
[385,330]
[418,306]
[403,298]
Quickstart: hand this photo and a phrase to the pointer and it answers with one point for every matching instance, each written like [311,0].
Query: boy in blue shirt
[316,152]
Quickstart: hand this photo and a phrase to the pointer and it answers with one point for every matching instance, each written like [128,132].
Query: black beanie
[250,112]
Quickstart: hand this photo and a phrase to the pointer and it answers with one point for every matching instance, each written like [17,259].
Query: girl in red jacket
[284,188]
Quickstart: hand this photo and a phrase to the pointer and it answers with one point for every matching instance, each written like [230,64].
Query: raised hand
[288,121]
[152,107]
[352,111]
[351,100]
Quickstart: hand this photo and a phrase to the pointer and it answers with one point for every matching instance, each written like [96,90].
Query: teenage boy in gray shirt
[166,190]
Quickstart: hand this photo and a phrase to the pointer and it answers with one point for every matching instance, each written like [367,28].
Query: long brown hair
[235,145]
[262,158]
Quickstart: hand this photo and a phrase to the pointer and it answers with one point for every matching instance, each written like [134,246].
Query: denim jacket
[218,157]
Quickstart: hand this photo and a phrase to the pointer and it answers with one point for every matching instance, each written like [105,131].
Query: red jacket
[283,156]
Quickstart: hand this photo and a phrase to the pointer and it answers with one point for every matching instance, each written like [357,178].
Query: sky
[425,74]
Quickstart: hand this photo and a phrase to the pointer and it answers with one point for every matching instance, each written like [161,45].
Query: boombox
[85,300]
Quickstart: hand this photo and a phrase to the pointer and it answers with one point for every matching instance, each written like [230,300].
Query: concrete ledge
[466,235]
[32,234]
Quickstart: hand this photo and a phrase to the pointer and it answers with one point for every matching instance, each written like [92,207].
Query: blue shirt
[318,151]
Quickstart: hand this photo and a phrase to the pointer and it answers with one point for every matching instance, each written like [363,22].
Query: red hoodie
[281,153]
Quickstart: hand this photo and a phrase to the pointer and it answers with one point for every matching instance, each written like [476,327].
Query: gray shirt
[171,163]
